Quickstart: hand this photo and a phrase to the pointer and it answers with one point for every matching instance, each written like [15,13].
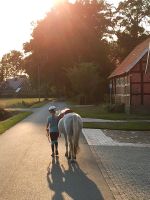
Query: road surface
[27,171]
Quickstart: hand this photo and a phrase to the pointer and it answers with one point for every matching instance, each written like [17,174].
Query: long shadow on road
[70,183]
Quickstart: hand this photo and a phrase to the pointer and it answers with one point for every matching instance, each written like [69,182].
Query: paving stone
[125,166]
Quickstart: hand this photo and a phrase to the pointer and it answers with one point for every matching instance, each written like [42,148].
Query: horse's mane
[64,112]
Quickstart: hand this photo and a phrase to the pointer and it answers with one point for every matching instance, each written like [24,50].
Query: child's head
[52,109]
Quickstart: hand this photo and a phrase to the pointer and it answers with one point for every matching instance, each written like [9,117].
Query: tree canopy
[11,64]
[131,20]
[74,36]
[69,34]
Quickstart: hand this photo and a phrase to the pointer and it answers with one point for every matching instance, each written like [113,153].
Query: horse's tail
[77,127]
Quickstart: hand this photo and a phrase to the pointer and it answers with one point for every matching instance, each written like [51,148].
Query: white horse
[71,126]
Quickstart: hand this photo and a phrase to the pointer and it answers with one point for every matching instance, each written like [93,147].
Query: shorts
[54,136]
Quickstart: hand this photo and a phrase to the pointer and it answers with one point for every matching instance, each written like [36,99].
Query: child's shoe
[52,154]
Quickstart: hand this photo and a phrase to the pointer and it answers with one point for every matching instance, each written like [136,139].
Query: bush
[116,108]
[4,114]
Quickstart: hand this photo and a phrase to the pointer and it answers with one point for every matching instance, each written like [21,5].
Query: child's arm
[47,128]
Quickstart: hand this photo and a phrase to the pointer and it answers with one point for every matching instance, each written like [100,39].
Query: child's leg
[52,143]
[56,147]
[52,146]
[56,143]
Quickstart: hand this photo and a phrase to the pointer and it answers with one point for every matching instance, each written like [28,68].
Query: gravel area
[129,136]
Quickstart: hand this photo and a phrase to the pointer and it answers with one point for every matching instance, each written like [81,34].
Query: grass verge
[8,123]
[100,113]
[39,104]
[127,126]
[20,102]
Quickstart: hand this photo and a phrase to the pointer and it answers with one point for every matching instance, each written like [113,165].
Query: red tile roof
[130,61]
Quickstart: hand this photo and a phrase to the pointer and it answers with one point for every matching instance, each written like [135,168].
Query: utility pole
[110,93]
[39,84]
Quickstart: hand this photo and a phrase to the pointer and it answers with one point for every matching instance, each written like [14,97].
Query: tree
[11,64]
[131,20]
[69,34]
[1,73]
[84,81]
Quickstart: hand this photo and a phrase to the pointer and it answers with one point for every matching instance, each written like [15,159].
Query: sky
[16,17]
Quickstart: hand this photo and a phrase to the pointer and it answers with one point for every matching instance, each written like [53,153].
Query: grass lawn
[18,103]
[126,126]
[21,102]
[6,124]
[100,112]
[39,104]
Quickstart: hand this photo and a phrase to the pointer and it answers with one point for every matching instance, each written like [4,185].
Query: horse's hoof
[72,161]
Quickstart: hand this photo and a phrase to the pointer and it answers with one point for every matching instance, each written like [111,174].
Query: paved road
[27,171]
[116,166]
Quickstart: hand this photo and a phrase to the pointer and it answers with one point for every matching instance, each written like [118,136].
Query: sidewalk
[107,120]
[124,165]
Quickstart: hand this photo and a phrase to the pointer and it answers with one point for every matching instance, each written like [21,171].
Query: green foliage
[131,19]
[4,125]
[131,14]
[116,108]
[102,112]
[11,64]
[4,114]
[18,102]
[69,34]
[84,79]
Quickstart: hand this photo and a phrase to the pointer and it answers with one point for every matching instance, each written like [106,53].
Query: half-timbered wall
[121,90]
[140,84]
[133,89]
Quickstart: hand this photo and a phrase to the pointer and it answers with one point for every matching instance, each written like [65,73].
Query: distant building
[15,86]
[130,81]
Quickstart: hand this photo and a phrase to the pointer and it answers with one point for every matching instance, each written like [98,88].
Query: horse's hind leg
[70,154]
[73,154]
[66,140]
[70,149]
[66,154]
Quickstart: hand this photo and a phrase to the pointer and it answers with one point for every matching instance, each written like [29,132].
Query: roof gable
[132,59]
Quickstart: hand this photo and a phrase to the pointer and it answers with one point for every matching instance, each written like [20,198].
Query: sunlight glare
[15,20]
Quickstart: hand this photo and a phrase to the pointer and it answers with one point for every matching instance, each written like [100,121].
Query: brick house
[130,81]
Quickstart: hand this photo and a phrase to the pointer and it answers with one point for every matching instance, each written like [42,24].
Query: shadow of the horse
[71,183]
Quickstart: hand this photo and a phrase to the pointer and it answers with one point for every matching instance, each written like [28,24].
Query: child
[52,129]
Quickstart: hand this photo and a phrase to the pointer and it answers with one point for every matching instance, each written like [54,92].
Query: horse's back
[73,119]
